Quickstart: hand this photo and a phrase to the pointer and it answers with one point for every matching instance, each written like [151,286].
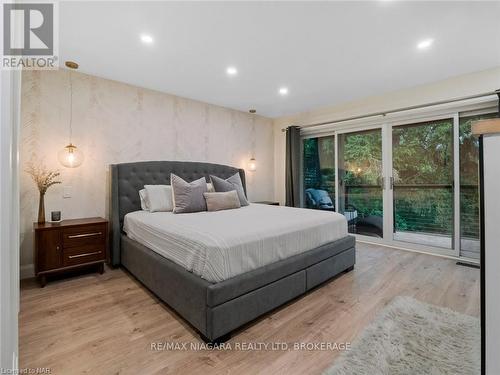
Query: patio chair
[371,225]
[318,199]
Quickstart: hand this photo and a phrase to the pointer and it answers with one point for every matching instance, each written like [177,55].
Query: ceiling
[325,53]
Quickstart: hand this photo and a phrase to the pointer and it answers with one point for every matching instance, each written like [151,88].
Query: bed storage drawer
[232,314]
[322,271]
[84,235]
[232,288]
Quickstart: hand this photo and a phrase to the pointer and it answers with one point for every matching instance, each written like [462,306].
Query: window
[415,185]
[469,187]
[360,181]
[319,173]
[422,162]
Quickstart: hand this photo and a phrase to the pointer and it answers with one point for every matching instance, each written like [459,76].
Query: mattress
[220,245]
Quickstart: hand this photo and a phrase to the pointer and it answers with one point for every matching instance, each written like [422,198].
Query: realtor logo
[29,36]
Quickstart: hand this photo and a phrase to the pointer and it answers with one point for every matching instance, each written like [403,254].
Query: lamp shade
[70,156]
[486,126]
[252,165]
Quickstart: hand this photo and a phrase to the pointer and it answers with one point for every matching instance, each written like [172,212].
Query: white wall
[492,246]
[457,87]
[114,122]
[9,219]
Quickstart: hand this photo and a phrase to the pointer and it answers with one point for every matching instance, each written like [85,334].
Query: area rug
[409,337]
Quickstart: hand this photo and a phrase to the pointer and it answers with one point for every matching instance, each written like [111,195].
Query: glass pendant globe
[70,156]
[252,165]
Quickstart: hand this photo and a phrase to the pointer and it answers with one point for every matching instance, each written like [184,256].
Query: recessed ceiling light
[147,39]
[283,91]
[425,43]
[231,71]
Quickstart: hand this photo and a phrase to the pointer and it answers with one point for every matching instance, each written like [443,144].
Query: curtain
[292,167]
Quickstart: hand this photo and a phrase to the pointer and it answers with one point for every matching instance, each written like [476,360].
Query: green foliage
[315,175]
[423,153]
[362,161]
[423,158]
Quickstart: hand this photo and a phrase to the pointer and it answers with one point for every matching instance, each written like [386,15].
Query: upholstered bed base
[215,309]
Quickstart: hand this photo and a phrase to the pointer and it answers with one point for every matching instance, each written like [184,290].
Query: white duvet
[219,245]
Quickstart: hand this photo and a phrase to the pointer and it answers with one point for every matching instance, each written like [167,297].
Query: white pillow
[144,200]
[159,198]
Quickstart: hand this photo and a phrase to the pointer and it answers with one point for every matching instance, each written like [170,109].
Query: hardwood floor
[105,324]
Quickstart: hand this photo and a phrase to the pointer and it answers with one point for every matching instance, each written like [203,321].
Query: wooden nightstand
[271,203]
[69,244]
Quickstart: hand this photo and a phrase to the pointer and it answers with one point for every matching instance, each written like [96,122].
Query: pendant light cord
[70,107]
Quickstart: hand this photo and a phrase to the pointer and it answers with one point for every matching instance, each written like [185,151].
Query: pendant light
[252,165]
[70,156]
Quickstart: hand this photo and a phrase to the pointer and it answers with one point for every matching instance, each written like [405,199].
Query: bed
[220,270]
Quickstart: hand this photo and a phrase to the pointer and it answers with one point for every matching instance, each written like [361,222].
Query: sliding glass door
[319,173]
[360,181]
[410,184]
[469,187]
[422,181]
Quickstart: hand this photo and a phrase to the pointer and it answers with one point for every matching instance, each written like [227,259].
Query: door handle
[85,235]
[84,254]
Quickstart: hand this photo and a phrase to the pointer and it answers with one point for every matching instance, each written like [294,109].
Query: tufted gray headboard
[128,178]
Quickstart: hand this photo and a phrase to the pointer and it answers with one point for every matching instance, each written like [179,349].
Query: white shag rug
[409,337]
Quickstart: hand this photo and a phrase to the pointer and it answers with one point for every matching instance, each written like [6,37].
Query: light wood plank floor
[105,324]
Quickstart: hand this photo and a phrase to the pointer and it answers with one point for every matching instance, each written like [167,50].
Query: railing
[425,208]
[417,209]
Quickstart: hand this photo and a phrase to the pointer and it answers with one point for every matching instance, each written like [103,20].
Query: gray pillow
[188,196]
[231,183]
[222,201]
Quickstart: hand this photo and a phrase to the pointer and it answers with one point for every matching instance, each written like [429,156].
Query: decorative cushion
[231,183]
[222,201]
[159,198]
[188,196]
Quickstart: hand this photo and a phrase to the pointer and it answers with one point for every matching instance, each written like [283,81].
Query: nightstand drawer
[83,254]
[87,235]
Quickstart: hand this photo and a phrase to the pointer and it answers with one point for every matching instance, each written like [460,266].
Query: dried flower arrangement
[43,179]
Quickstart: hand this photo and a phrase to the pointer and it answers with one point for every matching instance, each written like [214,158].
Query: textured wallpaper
[115,122]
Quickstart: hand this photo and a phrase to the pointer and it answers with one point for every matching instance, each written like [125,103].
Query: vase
[41,209]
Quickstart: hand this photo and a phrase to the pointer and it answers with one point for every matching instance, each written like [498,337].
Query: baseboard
[27,271]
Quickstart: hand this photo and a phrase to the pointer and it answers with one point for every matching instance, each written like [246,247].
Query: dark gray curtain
[292,166]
